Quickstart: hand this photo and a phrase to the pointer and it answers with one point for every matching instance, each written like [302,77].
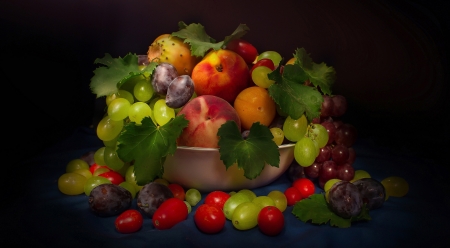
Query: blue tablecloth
[43,216]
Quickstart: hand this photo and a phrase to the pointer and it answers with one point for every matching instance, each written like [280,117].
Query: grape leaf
[316,210]
[200,42]
[320,75]
[292,96]
[250,154]
[148,145]
[107,79]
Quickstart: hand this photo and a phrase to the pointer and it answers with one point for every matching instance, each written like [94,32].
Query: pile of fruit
[190,90]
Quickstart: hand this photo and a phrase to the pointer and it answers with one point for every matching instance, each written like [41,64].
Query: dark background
[391,61]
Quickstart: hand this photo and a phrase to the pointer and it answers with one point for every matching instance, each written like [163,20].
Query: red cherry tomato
[129,221]
[209,218]
[270,220]
[177,191]
[95,166]
[217,198]
[113,176]
[305,186]
[169,213]
[246,50]
[292,195]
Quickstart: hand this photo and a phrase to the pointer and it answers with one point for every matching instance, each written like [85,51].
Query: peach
[205,114]
[221,73]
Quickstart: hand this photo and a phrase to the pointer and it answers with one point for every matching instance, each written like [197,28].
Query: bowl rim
[216,149]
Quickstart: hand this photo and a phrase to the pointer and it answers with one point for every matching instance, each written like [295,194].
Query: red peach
[205,114]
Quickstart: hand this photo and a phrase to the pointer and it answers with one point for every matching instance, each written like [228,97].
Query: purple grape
[245,134]
[295,171]
[372,192]
[313,171]
[109,199]
[331,129]
[327,106]
[345,135]
[151,196]
[344,199]
[351,155]
[328,170]
[339,154]
[339,105]
[345,172]
[162,76]
[180,91]
[324,154]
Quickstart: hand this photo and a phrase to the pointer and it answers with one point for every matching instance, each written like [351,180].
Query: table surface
[43,216]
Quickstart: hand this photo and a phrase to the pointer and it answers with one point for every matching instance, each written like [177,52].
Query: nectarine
[221,73]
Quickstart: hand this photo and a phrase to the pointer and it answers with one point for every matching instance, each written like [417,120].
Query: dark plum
[151,196]
[372,192]
[180,91]
[162,76]
[295,171]
[345,200]
[109,200]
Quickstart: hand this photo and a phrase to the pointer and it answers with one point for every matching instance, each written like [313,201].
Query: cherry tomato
[217,198]
[129,221]
[113,176]
[209,218]
[177,191]
[292,195]
[270,220]
[305,186]
[95,166]
[169,213]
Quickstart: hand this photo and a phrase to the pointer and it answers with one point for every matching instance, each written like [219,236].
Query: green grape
[193,196]
[251,195]
[100,171]
[76,164]
[305,152]
[360,174]
[71,183]
[316,145]
[111,143]
[395,186]
[127,95]
[93,182]
[319,134]
[329,183]
[108,129]
[143,90]
[232,202]
[272,55]
[278,135]
[189,207]
[279,198]
[245,216]
[112,160]
[138,111]
[260,78]
[130,187]
[118,109]
[263,201]
[131,178]
[84,172]
[294,130]
[162,112]
[99,156]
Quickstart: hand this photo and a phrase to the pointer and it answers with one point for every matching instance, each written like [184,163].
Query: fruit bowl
[202,169]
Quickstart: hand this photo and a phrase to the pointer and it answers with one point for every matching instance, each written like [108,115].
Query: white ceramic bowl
[202,169]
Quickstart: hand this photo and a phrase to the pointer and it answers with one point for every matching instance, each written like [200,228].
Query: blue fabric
[45,217]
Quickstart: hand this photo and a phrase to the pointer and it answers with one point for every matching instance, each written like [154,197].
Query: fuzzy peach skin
[205,114]
[221,73]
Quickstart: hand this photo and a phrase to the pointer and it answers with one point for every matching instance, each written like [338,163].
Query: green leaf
[148,145]
[316,210]
[200,42]
[251,154]
[107,79]
[292,96]
[320,75]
